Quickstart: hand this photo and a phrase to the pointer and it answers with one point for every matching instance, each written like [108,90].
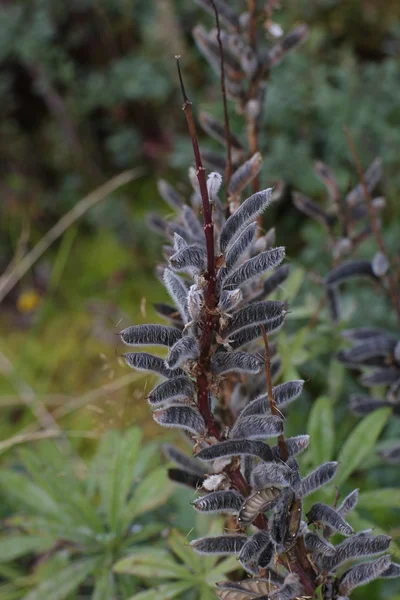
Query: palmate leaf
[321,430]
[149,562]
[30,495]
[150,493]
[64,582]
[181,548]
[119,481]
[360,442]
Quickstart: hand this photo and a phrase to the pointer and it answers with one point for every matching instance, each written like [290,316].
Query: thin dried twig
[9,280]
[228,168]
[373,220]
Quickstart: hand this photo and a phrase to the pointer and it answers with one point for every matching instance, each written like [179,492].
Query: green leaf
[206,593]
[105,585]
[64,582]
[120,476]
[381,499]
[165,591]
[360,442]
[151,563]
[12,547]
[150,493]
[29,494]
[322,431]
[360,524]
[222,569]
[181,547]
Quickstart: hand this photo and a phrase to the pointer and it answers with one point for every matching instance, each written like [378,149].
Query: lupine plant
[218,378]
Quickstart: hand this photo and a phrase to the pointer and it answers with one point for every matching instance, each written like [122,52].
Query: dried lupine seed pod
[322,513]
[182,460]
[216,130]
[391,455]
[362,574]
[268,474]
[235,362]
[255,267]
[349,270]
[179,242]
[185,349]
[169,391]
[228,502]
[314,543]
[361,404]
[181,417]
[328,178]
[333,301]
[348,504]
[236,448]
[266,556]
[214,181]
[279,524]
[293,519]
[228,300]
[221,544]
[386,376]
[290,589]
[275,280]
[254,314]
[170,195]
[245,174]
[256,503]
[158,225]
[283,394]
[195,301]
[254,546]
[372,177]
[177,291]
[382,345]
[249,588]
[294,445]
[192,223]
[150,335]
[245,214]
[318,478]
[313,210]
[183,477]
[364,333]
[257,427]
[225,11]
[208,45]
[355,547]
[392,572]
[142,361]
[214,160]
[168,312]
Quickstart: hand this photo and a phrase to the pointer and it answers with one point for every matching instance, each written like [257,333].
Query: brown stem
[210,301]
[228,168]
[373,220]
[253,22]
[283,451]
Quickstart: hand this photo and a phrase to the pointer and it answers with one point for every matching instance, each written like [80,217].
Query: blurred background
[88,90]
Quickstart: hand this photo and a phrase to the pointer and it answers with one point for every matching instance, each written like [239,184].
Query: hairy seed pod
[254,546]
[290,41]
[245,174]
[290,589]
[192,223]
[245,336]
[349,270]
[364,333]
[386,376]
[142,361]
[245,214]
[236,448]
[182,417]
[169,391]
[293,520]
[183,477]
[268,474]
[221,544]
[349,503]
[177,291]
[235,362]
[214,160]
[275,280]
[195,300]
[225,11]
[168,312]
[355,547]
[362,574]
[361,404]
[255,267]
[318,478]
[214,181]
[209,47]
[249,588]
[189,259]
[333,302]
[279,524]
[381,345]
[266,556]
[228,300]
[392,572]
[257,427]
[328,178]
[322,513]
[228,502]
[186,348]
[216,130]
[254,314]
[256,503]
[380,264]
[179,242]
[158,225]
[313,210]
[372,177]
[314,543]
[283,394]
[150,335]
[169,194]
[236,251]
[391,455]
[294,445]
[181,460]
